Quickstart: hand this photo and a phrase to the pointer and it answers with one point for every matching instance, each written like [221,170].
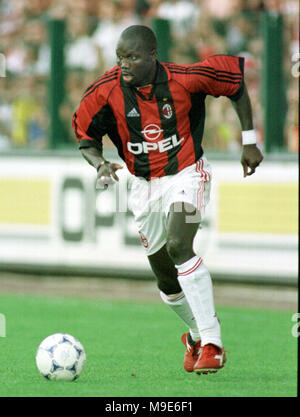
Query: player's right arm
[106,171]
[90,125]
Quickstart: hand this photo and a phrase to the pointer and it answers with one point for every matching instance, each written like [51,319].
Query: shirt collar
[162,75]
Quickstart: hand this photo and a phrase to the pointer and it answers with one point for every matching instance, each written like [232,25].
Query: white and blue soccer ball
[60,357]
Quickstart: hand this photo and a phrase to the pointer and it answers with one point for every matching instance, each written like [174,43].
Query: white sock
[180,306]
[196,284]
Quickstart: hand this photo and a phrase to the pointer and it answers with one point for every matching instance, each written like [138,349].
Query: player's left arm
[223,75]
[251,155]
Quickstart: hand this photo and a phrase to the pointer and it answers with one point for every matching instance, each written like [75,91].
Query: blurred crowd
[199,28]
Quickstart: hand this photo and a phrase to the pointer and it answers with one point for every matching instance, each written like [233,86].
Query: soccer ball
[60,357]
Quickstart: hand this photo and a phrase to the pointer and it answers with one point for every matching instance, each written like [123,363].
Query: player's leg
[195,281]
[151,223]
[173,296]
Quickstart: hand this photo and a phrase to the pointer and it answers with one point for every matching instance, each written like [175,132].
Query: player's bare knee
[179,250]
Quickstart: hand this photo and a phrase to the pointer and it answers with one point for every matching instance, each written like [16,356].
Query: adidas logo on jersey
[133,113]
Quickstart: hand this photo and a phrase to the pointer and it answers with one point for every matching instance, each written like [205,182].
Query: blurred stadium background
[54,224]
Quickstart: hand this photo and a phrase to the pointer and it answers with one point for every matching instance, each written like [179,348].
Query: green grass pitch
[134,350]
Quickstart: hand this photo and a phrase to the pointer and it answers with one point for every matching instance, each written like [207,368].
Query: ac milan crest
[167,111]
[144,240]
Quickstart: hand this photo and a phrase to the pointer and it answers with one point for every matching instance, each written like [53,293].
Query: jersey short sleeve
[218,75]
[87,124]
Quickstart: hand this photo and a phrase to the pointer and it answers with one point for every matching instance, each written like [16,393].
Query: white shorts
[150,201]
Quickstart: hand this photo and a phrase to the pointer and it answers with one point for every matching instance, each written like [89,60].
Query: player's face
[137,64]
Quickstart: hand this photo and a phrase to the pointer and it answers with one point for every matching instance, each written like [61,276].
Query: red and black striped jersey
[157,129]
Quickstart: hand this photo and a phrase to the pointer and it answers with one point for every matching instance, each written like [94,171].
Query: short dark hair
[144,33]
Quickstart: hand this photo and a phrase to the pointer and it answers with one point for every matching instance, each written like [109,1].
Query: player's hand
[251,158]
[107,175]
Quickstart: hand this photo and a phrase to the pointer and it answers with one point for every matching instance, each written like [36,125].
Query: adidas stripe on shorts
[150,201]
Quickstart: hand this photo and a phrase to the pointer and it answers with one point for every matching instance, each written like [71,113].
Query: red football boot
[192,352]
[211,359]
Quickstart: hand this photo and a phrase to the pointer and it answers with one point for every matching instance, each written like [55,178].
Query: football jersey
[158,129]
